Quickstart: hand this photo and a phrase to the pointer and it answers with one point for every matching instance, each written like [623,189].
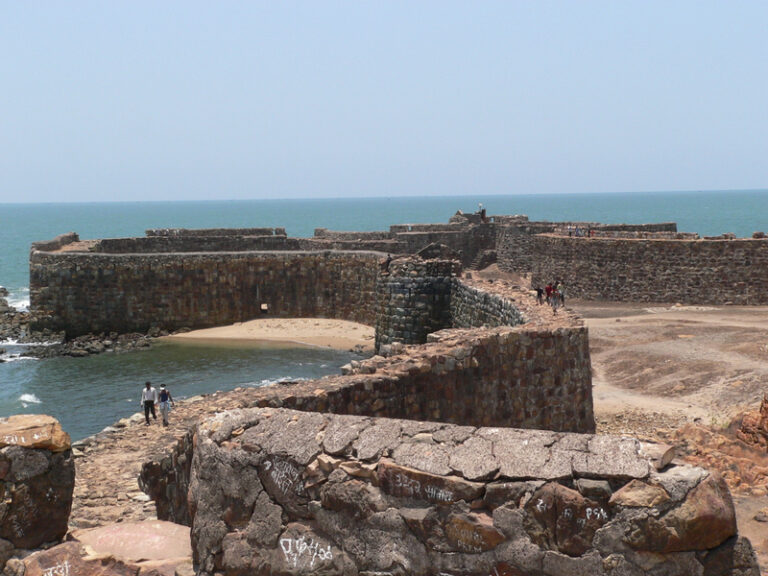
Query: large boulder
[37,479]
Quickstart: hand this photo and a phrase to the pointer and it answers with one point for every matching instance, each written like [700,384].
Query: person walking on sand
[148,400]
[166,400]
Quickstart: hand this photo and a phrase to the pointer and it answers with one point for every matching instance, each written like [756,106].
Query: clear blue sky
[193,100]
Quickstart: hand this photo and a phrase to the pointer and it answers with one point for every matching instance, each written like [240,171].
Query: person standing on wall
[148,400]
[166,400]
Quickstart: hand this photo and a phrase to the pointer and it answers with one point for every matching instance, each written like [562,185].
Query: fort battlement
[692,271]
[463,363]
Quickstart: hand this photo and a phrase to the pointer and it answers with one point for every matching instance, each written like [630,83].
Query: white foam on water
[269,382]
[27,399]
[19,299]
[16,358]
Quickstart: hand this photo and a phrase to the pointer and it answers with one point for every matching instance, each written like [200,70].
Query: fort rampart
[264,487]
[643,270]
[92,292]
[532,370]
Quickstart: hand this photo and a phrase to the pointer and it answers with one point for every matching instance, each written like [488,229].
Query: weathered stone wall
[216,232]
[281,492]
[57,243]
[414,300]
[90,293]
[371,245]
[37,479]
[170,244]
[514,246]
[687,271]
[515,237]
[468,241]
[473,306]
[535,376]
[325,234]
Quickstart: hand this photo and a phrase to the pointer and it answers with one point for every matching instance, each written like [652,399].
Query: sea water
[87,394]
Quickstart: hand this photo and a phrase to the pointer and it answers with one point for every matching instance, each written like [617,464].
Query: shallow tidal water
[88,394]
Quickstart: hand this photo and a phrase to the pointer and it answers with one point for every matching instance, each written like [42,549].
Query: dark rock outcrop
[284,492]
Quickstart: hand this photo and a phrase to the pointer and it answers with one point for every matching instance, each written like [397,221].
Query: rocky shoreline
[15,327]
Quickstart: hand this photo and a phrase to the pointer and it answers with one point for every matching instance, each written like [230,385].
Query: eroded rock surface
[267,497]
[37,479]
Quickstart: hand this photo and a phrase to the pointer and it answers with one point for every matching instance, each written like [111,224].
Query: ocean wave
[27,399]
[16,358]
[270,381]
[19,299]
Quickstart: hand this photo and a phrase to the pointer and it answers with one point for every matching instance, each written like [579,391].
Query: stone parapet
[283,492]
[37,479]
[535,376]
[627,270]
[214,232]
[473,305]
[57,243]
[170,244]
[83,293]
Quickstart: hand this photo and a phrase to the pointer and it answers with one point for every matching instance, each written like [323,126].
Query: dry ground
[657,367]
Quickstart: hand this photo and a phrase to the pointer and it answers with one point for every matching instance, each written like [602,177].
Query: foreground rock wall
[90,293]
[536,376]
[37,479]
[687,271]
[282,492]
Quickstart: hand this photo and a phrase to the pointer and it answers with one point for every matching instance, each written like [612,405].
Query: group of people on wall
[150,398]
[553,294]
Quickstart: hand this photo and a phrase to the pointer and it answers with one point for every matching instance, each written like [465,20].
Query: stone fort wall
[644,270]
[92,292]
[532,377]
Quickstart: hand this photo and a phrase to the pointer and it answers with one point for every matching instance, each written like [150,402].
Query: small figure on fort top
[385,264]
[554,298]
[166,401]
[560,288]
[481,211]
[539,295]
[148,401]
[548,290]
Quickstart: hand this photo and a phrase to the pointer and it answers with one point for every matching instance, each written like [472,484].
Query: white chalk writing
[467,540]
[58,570]
[403,485]
[286,476]
[14,439]
[596,513]
[438,494]
[299,550]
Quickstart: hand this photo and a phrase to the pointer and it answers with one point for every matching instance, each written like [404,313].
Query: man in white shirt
[148,400]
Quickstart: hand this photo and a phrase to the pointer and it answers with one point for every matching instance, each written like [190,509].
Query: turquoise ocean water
[87,394]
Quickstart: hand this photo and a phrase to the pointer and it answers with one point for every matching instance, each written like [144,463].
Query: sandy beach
[323,332]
